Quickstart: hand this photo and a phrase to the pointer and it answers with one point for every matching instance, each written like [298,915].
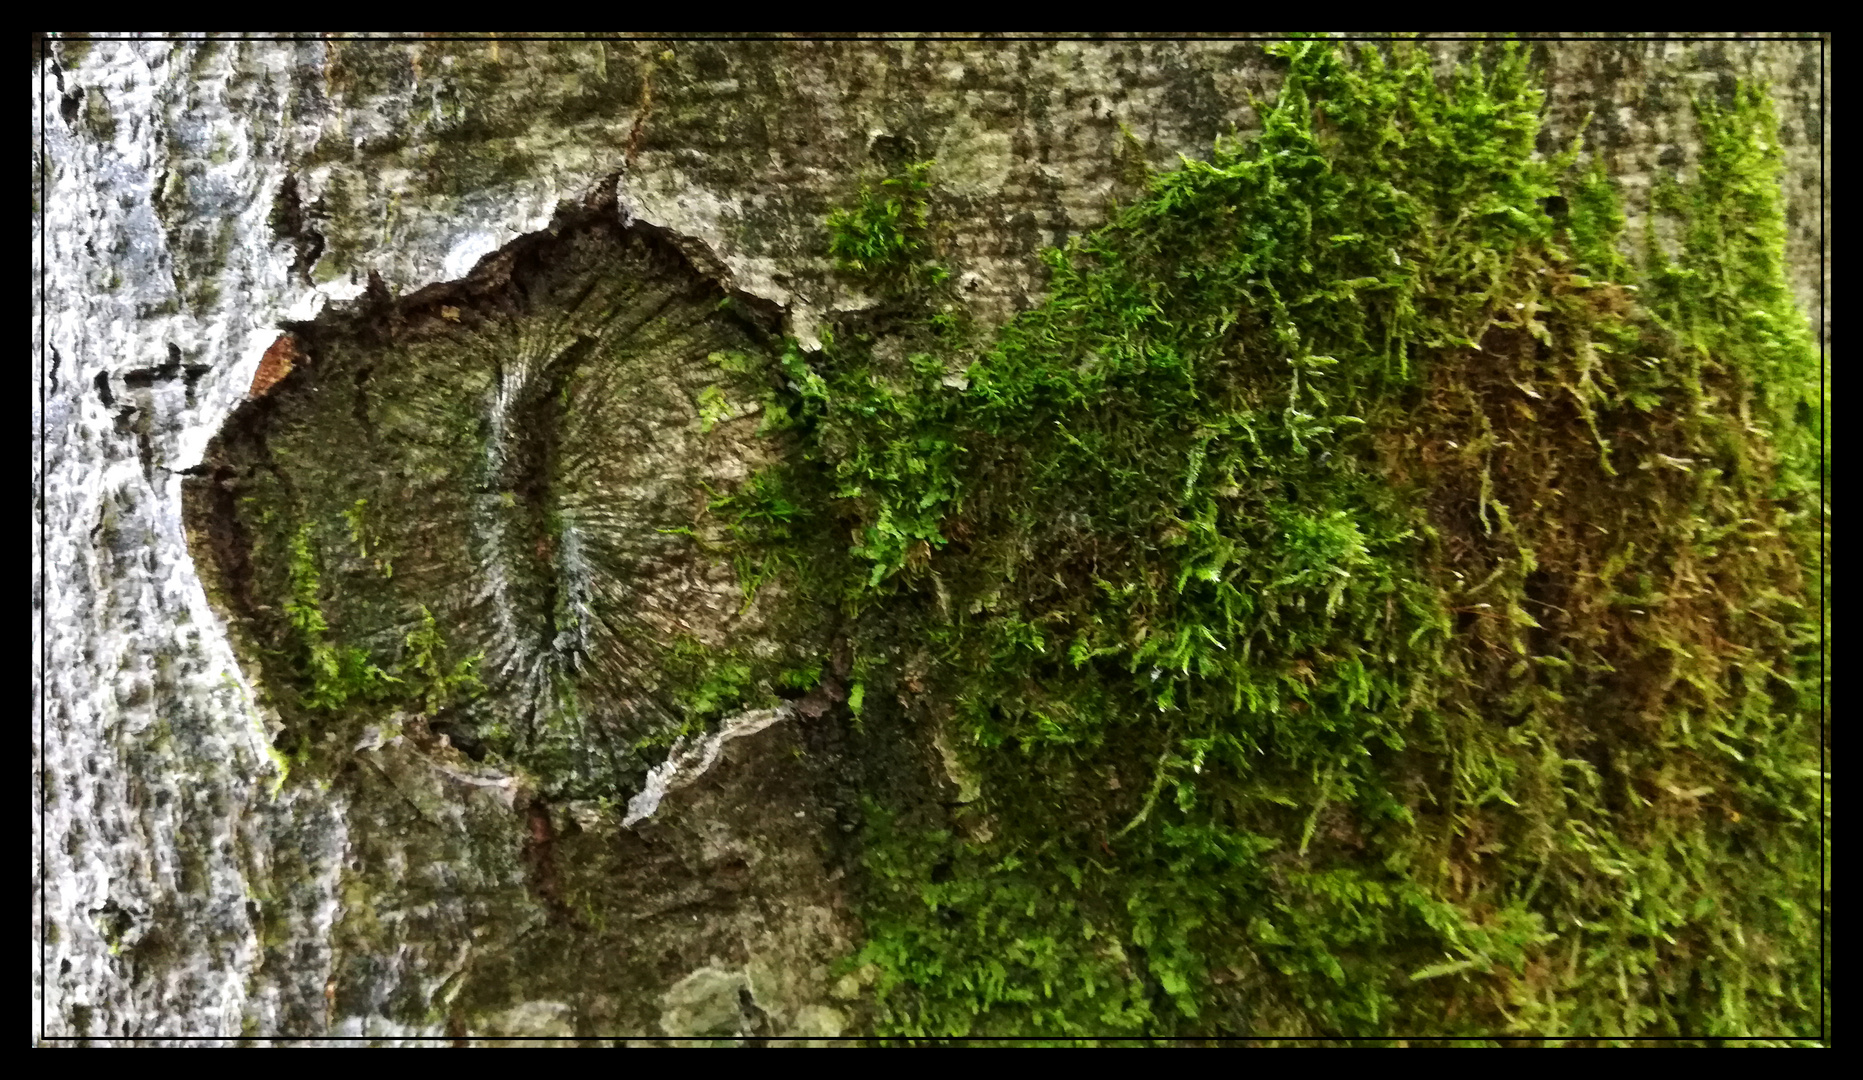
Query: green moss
[882,238]
[360,533]
[710,684]
[434,683]
[1361,612]
[335,674]
[712,408]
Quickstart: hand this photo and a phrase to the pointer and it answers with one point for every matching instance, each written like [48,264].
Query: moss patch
[1367,603]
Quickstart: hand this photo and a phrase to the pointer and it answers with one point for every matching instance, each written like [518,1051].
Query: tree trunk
[245,243]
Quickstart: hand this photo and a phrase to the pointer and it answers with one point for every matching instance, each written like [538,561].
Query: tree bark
[193,197]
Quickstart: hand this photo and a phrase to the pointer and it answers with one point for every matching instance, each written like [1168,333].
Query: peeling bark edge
[690,758]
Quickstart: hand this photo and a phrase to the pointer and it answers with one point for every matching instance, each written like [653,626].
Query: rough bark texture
[193,196]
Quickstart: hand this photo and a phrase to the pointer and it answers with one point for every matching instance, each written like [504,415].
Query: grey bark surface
[191,196]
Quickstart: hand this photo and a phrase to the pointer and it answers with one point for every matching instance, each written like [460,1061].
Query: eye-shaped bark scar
[487,503]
